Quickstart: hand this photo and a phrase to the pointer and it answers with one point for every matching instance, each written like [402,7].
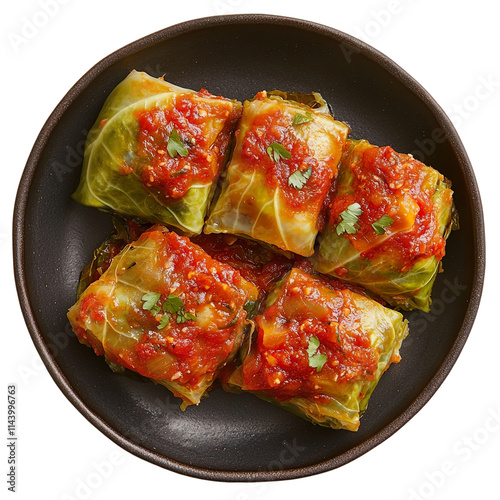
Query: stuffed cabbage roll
[319,351]
[389,221]
[155,152]
[285,158]
[167,310]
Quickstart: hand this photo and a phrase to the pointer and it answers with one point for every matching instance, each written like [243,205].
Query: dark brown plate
[232,437]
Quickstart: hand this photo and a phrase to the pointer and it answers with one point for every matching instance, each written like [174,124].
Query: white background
[451,448]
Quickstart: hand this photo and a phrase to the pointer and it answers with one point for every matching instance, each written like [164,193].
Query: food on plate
[155,152]
[309,236]
[167,310]
[319,351]
[260,265]
[284,161]
[389,219]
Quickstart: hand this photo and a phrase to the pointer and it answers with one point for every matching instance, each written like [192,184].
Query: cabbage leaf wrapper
[155,152]
[388,225]
[166,310]
[125,232]
[280,173]
[318,351]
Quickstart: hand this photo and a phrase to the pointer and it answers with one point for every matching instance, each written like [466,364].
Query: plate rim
[19,227]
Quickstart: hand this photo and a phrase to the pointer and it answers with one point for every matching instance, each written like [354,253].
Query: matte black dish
[230,437]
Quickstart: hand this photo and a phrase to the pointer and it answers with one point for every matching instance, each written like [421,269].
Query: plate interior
[230,433]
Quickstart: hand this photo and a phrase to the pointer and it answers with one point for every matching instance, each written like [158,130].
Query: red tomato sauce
[281,368]
[91,308]
[172,176]
[261,266]
[380,181]
[276,126]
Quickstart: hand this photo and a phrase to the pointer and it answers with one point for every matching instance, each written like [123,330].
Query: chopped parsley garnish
[173,305]
[349,219]
[382,223]
[175,145]
[276,151]
[183,316]
[299,178]
[316,360]
[150,299]
[163,321]
[300,118]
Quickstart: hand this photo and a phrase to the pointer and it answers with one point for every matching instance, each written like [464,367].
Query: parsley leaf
[349,219]
[300,118]
[150,299]
[183,316]
[175,145]
[312,346]
[316,360]
[299,178]
[383,222]
[276,151]
[163,321]
[173,304]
